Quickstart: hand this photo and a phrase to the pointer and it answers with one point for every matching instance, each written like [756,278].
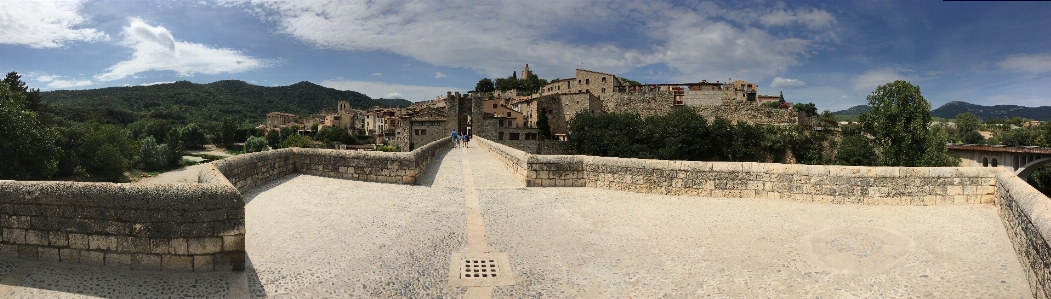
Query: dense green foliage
[255,144]
[205,104]
[485,85]
[628,82]
[331,135]
[28,145]
[684,135]
[899,122]
[855,149]
[152,156]
[296,140]
[808,109]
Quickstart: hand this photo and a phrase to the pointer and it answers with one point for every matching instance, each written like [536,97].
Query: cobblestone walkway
[310,237]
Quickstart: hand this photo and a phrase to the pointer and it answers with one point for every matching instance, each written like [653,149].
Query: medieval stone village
[184,150]
[510,117]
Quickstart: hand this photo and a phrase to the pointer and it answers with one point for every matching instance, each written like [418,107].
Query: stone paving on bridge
[313,237]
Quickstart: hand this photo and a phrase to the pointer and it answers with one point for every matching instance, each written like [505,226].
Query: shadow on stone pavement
[430,174]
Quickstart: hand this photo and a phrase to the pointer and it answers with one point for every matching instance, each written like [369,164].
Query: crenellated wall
[176,227]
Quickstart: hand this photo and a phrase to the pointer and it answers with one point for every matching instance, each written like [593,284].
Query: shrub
[255,144]
[296,140]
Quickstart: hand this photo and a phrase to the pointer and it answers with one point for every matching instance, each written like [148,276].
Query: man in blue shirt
[455,138]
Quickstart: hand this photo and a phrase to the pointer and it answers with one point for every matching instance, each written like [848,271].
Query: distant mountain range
[951,109]
[184,102]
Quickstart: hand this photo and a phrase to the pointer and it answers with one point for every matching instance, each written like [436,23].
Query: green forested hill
[206,104]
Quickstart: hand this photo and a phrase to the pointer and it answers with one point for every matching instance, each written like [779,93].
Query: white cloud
[394,95]
[53,81]
[69,83]
[155,83]
[787,83]
[439,75]
[45,24]
[699,41]
[376,74]
[1034,64]
[157,50]
[413,93]
[869,80]
[812,18]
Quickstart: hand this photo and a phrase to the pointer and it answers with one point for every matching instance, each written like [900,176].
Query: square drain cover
[480,270]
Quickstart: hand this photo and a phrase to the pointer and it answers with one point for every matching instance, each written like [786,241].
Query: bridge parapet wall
[182,227]
[810,183]
[1026,214]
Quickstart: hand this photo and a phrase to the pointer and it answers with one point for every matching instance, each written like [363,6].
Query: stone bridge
[1021,160]
[481,222]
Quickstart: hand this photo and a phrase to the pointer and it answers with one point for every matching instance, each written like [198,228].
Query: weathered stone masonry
[1025,212]
[198,227]
[176,227]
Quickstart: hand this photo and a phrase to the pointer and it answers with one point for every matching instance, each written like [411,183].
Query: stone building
[764,99]
[419,127]
[498,108]
[597,83]
[276,119]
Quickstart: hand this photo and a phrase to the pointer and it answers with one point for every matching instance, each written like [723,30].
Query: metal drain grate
[479,268]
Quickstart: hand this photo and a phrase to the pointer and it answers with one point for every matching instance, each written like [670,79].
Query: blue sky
[832,53]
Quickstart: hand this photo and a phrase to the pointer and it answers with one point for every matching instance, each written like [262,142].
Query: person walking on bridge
[466,139]
[455,138]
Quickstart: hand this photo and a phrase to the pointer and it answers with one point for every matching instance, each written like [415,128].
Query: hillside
[185,102]
[951,109]
[856,110]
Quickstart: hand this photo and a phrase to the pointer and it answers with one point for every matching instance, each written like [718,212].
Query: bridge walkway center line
[475,227]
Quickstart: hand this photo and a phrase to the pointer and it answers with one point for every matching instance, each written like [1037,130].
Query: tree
[542,125]
[855,149]
[296,140]
[808,109]
[193,137]
[273,138]
[1020,137]
[255,144]
[331,135]
[31,99]
[485,85]
[898,123]
[505,84]
[105,151]
[173,140]
[28,147]
[967,128]
[227,131]
[151,155]
[782,99]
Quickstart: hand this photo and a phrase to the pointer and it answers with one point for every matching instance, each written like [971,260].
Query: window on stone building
[512,136]
[985,162]
[603,79]
[508,113]
[500,136]
[501,123]
[494,105]
[587,81]
[603,90]
[994,162]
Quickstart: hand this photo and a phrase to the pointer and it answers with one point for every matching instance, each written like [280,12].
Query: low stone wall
[1026,214]
[182,227]
[810,183]
[187,227]
[250,170]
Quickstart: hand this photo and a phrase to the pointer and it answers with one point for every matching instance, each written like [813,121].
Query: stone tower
[344,107]
[526,72]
